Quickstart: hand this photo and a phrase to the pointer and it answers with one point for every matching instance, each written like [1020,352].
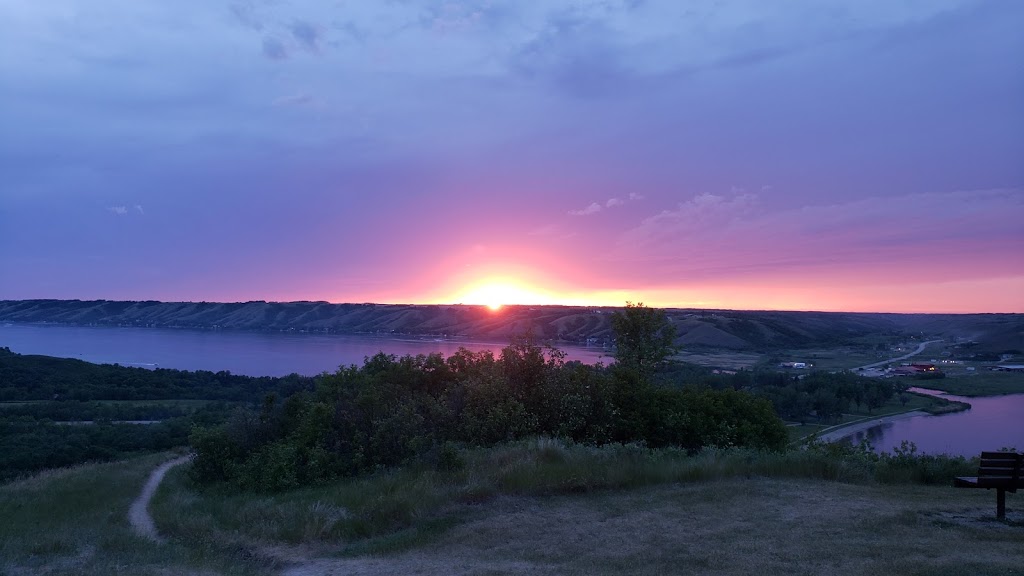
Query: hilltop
[720,329]
[541,507]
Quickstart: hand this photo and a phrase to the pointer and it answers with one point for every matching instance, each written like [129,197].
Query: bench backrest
[1001,465]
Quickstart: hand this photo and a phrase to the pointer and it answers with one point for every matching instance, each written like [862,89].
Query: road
[920,348]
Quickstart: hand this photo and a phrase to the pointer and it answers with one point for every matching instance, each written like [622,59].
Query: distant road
[919,349]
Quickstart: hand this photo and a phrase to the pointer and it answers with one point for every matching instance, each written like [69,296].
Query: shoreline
[848,430]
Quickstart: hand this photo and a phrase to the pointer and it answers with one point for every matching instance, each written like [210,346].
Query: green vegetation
[980,384]
[393,411]
[59,412]
[28,445]
[644,339]
[905,402]
[28,377]
[539,504]
[423,504]
[74,521]
[458,463]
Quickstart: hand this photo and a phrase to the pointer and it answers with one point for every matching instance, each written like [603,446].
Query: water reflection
[992,422]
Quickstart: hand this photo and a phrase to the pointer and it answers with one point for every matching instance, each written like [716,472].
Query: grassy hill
[713,329]
[539,507]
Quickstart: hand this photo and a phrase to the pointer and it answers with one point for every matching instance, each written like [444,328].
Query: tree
[644,339]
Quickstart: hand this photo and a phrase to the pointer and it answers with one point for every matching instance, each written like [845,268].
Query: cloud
[138,208]
[703,213]
[635,196]
[293,100]
[968,232]
[119,210]
[574,51]
[307,35]
[594,208]
[274,49]
[245,15]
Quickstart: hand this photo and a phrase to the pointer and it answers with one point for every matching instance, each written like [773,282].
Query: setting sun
[495,294]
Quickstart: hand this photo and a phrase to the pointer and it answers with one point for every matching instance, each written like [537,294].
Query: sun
[496,294]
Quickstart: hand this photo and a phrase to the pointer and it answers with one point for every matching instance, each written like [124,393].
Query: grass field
[980,383]
[73,521]
[720,359]
[534,507]
[730,527]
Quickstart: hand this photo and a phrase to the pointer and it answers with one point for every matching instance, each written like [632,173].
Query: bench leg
[1000,503]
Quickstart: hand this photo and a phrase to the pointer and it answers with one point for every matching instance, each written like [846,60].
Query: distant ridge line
[731,329]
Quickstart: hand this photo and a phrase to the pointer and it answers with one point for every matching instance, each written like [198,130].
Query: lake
[251,353]
[993,422]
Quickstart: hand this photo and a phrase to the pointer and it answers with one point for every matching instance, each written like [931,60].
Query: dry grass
[732,527]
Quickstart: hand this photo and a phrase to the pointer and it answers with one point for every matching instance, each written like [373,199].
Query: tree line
[394,410]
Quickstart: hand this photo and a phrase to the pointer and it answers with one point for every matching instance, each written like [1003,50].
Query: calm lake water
[993,422]
[251,353]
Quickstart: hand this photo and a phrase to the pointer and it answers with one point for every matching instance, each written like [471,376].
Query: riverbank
[914,404]
[846,430]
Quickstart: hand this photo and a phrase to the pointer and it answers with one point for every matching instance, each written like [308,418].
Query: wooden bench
[999,470]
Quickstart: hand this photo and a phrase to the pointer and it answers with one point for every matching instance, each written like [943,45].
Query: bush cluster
[393,410]
[904,465]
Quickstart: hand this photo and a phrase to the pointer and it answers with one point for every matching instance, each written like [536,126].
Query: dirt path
[138,514]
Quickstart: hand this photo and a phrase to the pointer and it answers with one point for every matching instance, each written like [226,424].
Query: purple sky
[806,154]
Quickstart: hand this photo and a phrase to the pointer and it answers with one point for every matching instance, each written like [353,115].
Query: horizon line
[548,305]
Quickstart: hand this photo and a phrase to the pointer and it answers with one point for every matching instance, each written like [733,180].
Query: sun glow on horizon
[497,293]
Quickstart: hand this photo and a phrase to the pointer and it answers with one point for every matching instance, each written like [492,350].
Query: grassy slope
[533,507]
[74,521]
[543,507]
[732,527]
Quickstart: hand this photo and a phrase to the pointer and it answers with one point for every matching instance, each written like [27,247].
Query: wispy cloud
[293,100]
[593,208]
[274,49]
[245,14]
[119,210]
[737,234]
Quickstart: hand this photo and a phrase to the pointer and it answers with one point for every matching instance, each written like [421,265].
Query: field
[540,507]
[73,521]
[980,383]
[734,527]
[720,359]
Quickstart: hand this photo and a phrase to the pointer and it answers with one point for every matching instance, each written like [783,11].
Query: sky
[794,155]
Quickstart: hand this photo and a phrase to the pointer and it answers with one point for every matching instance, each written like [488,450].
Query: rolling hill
[722,329]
